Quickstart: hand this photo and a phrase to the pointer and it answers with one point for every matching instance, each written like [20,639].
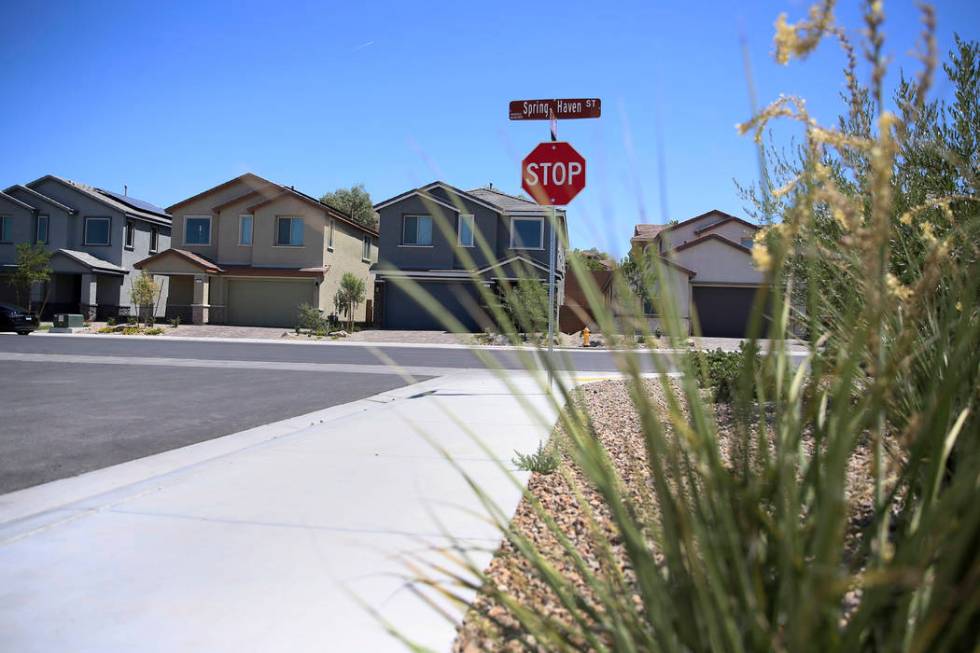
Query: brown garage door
[724,312]
[268,302]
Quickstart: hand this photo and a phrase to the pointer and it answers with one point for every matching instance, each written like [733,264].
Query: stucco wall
[21,225]
[346,257]
[717,262]
[265,252]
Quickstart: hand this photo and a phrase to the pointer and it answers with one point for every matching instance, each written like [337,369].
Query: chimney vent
[125,190]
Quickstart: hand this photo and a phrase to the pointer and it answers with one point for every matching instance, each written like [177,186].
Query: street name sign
[553,173]
[559,109]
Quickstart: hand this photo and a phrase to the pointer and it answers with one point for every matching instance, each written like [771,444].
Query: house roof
[40,197]
[646,232]
[92,262]
[426,196]
[194,259]
[505,201]
[487,197]
[16,202]
[248,178]
[459,192]
[705,238]
[132,207]
[333,212]
[730,218]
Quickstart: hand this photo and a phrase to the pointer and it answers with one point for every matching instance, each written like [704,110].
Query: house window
[747,242]
[197,230]
[289,232]
[366,249]
[466,230]
[130,234]
[330,232]
[41,236]
[527,233]
[96,231]
[245,230]
[6,224]
[417,230]
[154,239]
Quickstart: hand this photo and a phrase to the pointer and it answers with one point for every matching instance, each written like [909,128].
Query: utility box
[68,321]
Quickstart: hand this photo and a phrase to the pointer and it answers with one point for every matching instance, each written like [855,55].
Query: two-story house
[95,237]
[710,269]
[432,236]
[251,251]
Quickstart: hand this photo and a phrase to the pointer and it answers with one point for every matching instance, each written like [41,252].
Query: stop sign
[553,173]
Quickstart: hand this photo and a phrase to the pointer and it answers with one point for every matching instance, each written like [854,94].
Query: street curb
[378,345]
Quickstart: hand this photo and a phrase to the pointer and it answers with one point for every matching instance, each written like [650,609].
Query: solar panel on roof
[133,202]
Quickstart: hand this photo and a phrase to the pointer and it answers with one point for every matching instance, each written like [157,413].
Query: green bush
[525,303]
[311,319]
[153,331]
[543,461]
[722,371]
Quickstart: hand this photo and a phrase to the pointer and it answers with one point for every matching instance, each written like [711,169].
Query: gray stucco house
[95,236]
[428,233]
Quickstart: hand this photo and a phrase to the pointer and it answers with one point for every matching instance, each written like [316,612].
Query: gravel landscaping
[487,625]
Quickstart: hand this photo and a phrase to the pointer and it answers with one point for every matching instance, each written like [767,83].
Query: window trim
[514,219]
[91,218]
[331,230]
[366,244]
[129,235]
[241,229]
[6,220]
[402,243]
[459,230]
[197,217]
[154,239]
[275,235]
[47,229]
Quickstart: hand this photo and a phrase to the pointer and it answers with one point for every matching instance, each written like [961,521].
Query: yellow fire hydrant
[586,334]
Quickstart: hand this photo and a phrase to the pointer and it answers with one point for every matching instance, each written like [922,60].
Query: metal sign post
[553,173]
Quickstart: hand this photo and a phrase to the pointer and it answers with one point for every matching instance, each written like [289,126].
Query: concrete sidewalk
[260,541]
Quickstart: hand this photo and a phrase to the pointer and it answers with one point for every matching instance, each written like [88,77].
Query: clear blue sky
[173,98]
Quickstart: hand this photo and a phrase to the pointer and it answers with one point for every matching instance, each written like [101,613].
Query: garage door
[403,312]
[267,302]
[723,312]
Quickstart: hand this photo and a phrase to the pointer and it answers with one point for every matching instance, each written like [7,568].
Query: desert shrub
[110,321]
[153,331]
[525,303]
[762,545]
[724,371]
[544,460]
[310,318]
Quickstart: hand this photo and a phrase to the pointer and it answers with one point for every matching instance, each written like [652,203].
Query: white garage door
[268,302]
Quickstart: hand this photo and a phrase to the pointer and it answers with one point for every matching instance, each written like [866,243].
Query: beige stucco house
[251,251]
[708,264]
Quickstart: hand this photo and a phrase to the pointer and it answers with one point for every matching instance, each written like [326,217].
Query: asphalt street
[74,404]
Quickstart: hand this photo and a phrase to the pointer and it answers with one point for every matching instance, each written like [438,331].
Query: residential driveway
[270,545]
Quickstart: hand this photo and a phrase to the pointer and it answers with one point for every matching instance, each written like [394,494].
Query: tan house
[710,268]
[251,251]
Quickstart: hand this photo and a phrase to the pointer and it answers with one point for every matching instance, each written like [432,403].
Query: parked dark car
[15,318]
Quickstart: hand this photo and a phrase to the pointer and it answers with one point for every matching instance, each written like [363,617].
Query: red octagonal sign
[553,173]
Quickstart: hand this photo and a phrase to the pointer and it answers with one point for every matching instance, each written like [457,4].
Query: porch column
[86,299]
[199,309]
